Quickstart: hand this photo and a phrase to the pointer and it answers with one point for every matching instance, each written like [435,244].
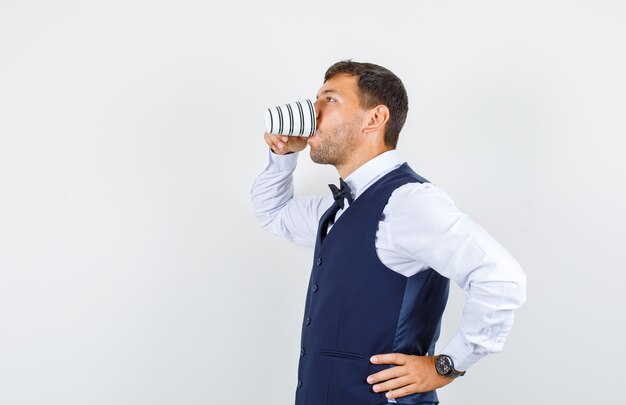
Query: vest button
[299,384]
[314,287]
[307,321]
[319,261]
[302,352]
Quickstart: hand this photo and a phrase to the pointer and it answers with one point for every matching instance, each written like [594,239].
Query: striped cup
[293,119]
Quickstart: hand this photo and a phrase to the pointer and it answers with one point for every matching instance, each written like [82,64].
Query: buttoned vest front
[357,307]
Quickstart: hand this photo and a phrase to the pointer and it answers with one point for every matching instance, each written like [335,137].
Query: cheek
[328,118]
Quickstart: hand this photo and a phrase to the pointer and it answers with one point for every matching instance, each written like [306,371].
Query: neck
[357,160]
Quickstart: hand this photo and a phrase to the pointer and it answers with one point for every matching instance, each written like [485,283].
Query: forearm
[488,314]
[275,206]
[495,286]
[273,188]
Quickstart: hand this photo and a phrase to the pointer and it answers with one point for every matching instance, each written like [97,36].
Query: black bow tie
[340,193]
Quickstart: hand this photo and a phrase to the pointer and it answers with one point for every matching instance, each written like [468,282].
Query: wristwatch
[445,366]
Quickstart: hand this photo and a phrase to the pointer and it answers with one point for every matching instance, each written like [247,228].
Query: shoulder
[421,194]
[423,204]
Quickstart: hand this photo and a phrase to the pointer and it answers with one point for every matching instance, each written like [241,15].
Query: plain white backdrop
[132,270]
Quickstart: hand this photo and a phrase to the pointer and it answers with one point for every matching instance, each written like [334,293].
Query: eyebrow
[327,91]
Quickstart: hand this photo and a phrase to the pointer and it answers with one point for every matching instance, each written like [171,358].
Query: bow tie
[340,193]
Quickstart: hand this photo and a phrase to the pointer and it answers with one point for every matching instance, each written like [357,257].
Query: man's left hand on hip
[412,374]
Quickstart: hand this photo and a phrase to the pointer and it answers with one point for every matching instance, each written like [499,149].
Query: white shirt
[420,228]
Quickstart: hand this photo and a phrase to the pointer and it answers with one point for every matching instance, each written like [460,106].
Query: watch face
[444,364]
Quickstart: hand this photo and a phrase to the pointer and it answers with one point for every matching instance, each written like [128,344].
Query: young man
[385,250]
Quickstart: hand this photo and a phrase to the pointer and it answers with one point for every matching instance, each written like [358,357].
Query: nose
[318,109]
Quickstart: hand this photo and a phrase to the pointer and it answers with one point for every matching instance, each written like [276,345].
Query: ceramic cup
[293,119]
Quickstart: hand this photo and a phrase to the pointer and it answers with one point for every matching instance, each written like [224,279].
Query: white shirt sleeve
[424,225]
[278,211]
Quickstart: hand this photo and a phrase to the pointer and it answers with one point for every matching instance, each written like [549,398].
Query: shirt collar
[372,170]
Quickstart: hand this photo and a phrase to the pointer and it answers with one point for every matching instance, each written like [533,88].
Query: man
[385,250]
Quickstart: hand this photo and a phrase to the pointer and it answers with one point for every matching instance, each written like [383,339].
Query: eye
[329,99]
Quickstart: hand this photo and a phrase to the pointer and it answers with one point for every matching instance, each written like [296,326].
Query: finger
[281,141]
[292,143]
[387,374]
[390,358]
[269,140]
[273,141]
[403,391]
[395,384]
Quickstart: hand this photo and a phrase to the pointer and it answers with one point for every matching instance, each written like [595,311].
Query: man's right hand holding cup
[283,144]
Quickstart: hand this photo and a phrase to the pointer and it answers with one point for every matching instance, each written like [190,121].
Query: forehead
[342,84]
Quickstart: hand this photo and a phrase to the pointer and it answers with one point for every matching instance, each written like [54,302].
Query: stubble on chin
[322,154]
[335,147]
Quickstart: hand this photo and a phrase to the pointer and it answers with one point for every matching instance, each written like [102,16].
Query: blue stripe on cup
[313,121]
[301,116]
[290,111]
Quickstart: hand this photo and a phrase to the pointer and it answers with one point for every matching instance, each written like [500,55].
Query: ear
[376,119]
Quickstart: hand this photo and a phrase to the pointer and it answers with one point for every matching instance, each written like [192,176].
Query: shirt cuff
[462,355]
[282,163]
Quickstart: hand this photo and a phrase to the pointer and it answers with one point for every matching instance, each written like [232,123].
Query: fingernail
[388,395]
[370,380]
[376,388]
[373,358]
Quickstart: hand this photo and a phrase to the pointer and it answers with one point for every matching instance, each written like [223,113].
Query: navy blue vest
[357,307]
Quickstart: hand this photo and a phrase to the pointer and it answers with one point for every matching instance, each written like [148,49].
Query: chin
[314,157]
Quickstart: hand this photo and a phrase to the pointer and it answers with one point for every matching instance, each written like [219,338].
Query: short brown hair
[377,85]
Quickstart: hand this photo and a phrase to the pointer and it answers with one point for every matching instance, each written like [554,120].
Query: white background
[132,270]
